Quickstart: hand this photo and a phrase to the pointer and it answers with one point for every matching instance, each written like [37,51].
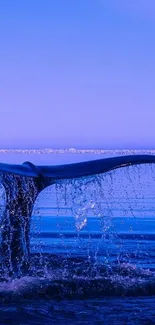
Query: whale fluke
[23,183]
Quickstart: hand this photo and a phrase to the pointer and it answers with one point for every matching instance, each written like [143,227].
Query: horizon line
[75,149]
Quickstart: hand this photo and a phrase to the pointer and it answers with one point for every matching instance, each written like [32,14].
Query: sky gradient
[77,73]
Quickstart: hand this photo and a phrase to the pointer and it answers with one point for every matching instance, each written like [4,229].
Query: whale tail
[23,183]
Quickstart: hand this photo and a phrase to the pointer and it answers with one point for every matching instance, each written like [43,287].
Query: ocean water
[92,248]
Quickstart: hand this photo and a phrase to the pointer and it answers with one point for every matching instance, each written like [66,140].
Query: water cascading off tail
[21,193]
[22,185]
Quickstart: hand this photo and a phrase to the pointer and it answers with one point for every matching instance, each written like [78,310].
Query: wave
[95,235]
[75,278]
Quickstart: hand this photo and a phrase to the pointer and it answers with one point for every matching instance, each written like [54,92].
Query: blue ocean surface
[92,251]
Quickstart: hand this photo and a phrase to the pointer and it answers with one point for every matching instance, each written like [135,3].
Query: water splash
[20,194]
[128,193]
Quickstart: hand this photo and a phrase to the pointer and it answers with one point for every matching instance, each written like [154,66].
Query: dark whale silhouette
[76,169]
[22,185]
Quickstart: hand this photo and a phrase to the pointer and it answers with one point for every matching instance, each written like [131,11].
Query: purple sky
[77,73]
